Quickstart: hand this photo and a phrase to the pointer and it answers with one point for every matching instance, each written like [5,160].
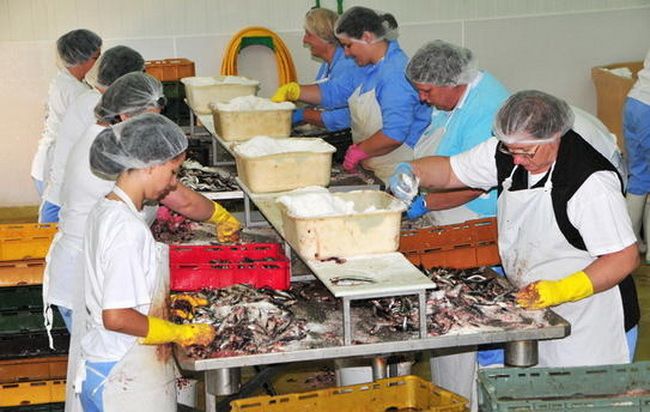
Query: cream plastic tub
[286,171]
[201,91]
[347,235]
[242,125]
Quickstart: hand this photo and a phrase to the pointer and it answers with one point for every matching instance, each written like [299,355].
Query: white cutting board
[392,274]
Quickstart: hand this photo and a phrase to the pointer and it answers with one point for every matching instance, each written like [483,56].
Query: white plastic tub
[359,233]
[201,91]
[310,165]
[247,116]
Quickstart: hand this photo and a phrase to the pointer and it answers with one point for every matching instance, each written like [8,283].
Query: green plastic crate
[579,389]
[27,321]
[47,407]
[21,297]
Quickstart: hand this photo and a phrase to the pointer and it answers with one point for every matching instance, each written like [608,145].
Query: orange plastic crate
[466,245]
[33,369]
[29,241]
[168,70]
[22,272]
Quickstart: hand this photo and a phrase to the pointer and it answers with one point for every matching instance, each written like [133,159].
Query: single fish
[351,280]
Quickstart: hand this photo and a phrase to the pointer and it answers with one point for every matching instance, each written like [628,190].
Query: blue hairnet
[143,141]
[116,62]
[131,94]
[357,20]
[442,64]
[77,46]
[532,117]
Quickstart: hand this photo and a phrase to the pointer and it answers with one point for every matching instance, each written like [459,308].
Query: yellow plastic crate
[29,241]
[22,272]
[32,393]
[383,395]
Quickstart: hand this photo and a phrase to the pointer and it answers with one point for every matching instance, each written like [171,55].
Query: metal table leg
[192,123]
[522,353]
[347,322]
[378,368]
[220,382]
[247,210]
[422,298]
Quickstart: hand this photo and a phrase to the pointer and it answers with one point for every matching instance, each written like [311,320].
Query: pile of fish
[171,227]
[461,299]
[247,320]
[206,179]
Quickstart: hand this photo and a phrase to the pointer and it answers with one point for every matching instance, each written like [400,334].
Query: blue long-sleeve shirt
[340,67]
[404,117]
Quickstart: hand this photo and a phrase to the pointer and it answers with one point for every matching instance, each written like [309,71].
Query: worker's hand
[227,225]
[403,183]
[161,331]
[183,305]
[289,91]
[353,156]
[418,208]
[298,116]
[545,293]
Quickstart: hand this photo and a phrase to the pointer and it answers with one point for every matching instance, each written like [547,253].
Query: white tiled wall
[546,44]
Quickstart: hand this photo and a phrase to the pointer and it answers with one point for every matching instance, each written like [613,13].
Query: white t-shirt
[597,209]
[119,272]
[79,116]
[80,189]
[64,89]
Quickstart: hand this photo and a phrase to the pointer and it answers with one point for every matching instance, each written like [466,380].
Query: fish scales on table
[247,320]
[460,299]
[206,179]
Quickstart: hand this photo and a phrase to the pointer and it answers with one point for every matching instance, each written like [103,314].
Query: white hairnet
[77,46]
[146,140]
[442,64]
[357,20]
[116,62]
[532,117]
[131,94]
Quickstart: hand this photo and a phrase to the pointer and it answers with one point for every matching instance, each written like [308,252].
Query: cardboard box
[611,92]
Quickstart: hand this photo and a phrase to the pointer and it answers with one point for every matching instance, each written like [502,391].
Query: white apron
[366,120]
[145,378]
[532,247]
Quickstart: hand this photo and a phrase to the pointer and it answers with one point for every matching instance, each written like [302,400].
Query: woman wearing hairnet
[465,102]
[115,62]
[125,365]
[636,126]
[565,238]
[323,44]
[77,51]
[386,115]
[131,94]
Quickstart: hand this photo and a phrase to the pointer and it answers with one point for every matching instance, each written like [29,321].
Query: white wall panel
[546,44]
[556,53]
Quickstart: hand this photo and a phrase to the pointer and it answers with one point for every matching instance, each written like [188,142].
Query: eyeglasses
[523,153]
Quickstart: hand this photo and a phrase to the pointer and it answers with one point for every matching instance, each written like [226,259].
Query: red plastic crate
[257,264]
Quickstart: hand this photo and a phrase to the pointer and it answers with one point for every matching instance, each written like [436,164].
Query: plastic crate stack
[170,72]
[32,376]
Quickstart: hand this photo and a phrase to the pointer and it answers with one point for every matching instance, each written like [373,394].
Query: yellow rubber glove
[289,91]
[162,331]
[227,225]
[545,293]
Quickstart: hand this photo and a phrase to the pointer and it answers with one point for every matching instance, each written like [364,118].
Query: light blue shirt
[471,124]
[404,117]
[340,67]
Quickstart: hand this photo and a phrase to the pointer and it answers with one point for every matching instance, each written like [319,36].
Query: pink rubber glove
[353,156]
